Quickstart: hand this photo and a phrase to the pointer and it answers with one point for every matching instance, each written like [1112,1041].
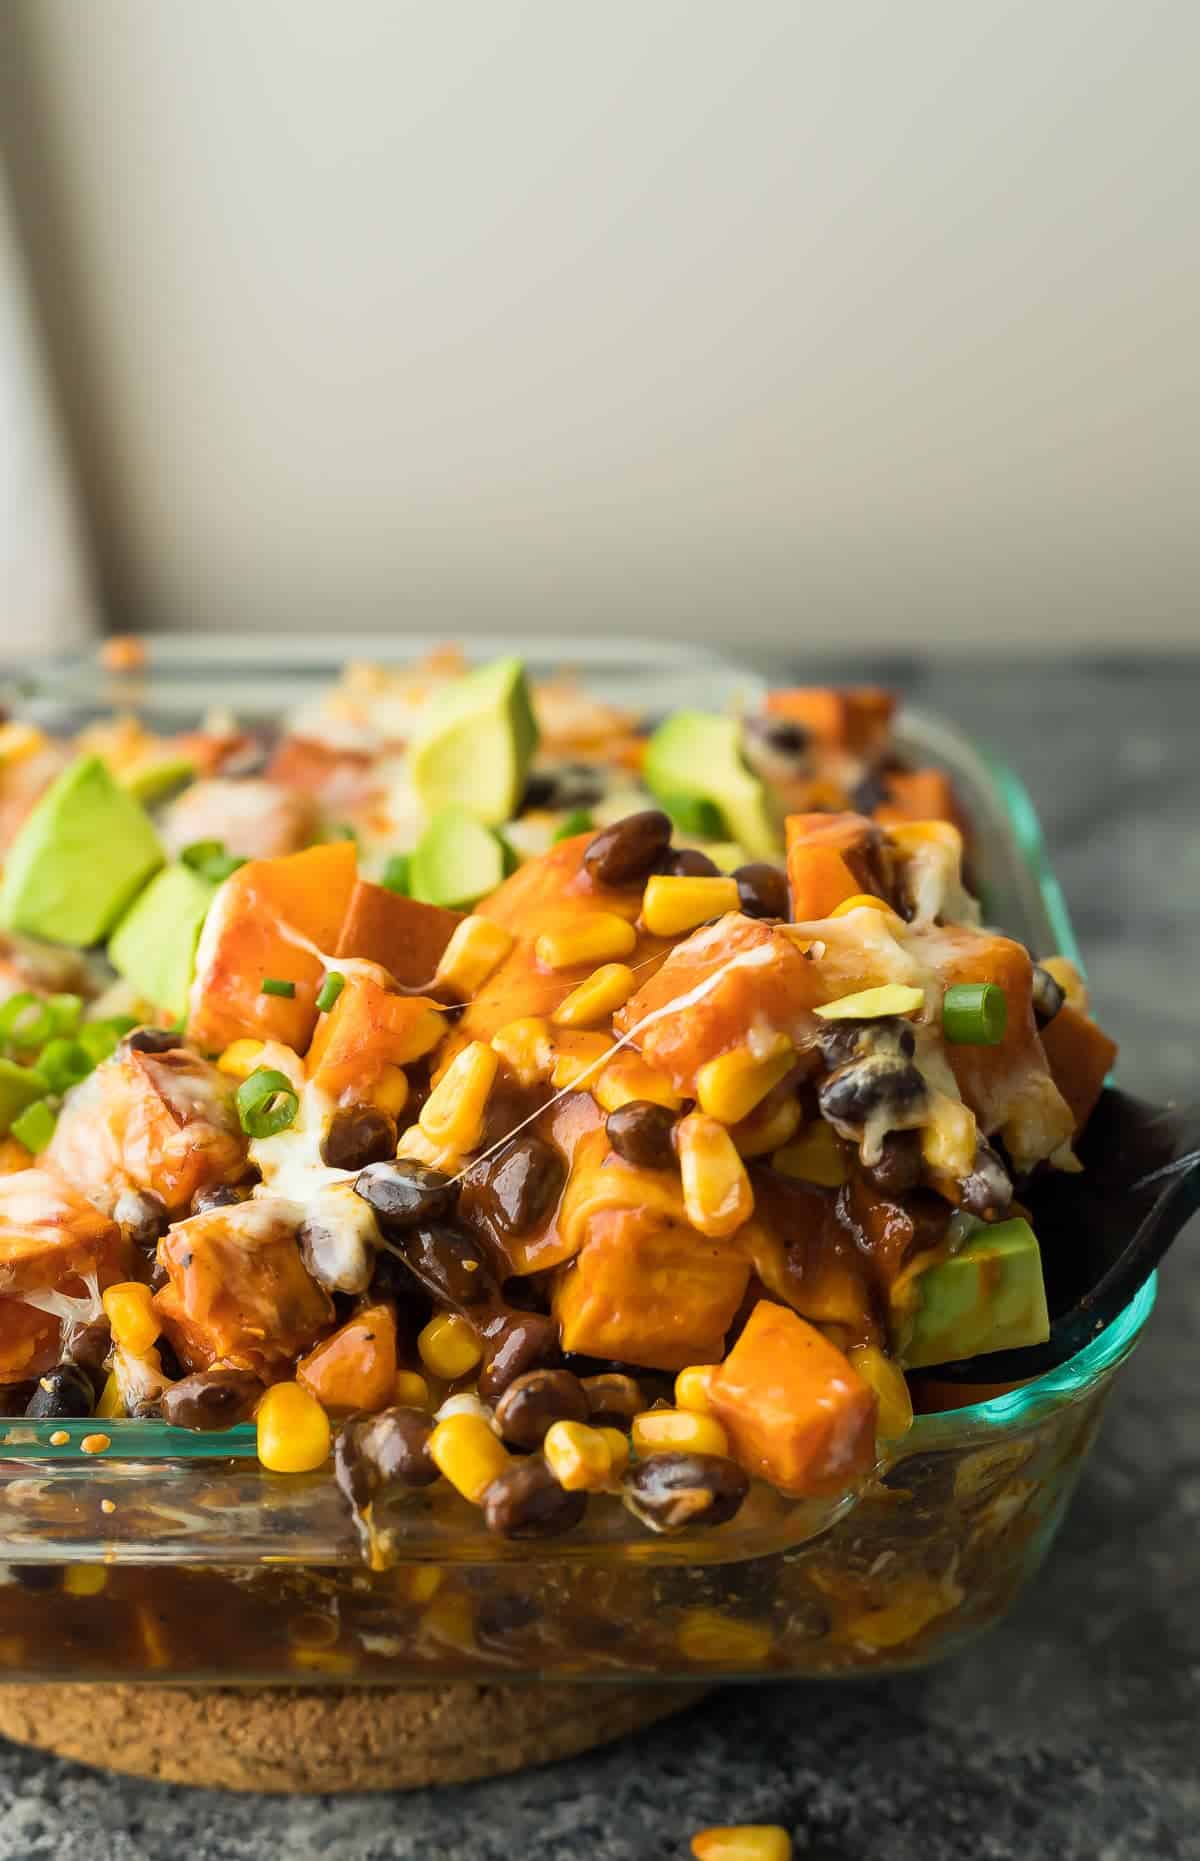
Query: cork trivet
[327,1738]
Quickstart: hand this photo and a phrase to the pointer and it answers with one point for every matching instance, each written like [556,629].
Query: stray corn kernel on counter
[513,1109]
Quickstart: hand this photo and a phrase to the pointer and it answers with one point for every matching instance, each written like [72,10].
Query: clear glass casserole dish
[134,1550]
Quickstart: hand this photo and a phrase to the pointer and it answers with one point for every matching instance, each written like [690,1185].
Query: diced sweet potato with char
[804,1255]
[369,1028]
[52,1242]
[159,1121]
[238,1291]
[253,818]
[649,1292]
[354,1368]
[795,1411]
[402,935]
[918,795]
[830,857]
[856,718]
[1080,1056]
[273,917]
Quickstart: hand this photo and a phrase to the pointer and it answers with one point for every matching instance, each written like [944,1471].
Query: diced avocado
[154,945]
[700,756]
[990,1296]
[82,856]
[694,814]
[475,742]
[150,781]
[19,1087]
[456,861]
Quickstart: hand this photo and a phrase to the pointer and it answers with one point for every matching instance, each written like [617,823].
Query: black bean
[629,850]
[869,794]
[840,1041]
[374,1452]
[881,1082]
[522,1341]
[65,1390]
[450,1264]
[515,1189]
[219,1195]
[358,1135]
[526,1501]
[613,1397]
[37,1576]
[392,1281]
[900,1165]
[670,1492]
[640,1132]
[1048,996]
[987,1191]
[152,1040]
[532,1402]
[782,736]
[405,1194]
[687,862]
[564,785]
[143,1215]
[90,1348]
[212,1399]
[762,890]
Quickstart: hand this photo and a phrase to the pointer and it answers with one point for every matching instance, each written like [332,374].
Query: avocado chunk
[83,855]
[990,1296]
[19,1087]
[475,742]
[151,781]
[154,945]
[457,860]
[700,756]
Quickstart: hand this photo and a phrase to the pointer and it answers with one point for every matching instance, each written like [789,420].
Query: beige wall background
[801,323]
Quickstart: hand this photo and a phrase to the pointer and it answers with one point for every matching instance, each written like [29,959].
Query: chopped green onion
[278,985]
[267,1103]
[578,821]
[695,814]
[26,1020]
[210,860]
[63,1063]
[329,990]
[974,1014]
[67,1011]
[396,874]
[35,1126]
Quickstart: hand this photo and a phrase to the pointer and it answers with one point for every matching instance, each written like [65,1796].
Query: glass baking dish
[156,1553]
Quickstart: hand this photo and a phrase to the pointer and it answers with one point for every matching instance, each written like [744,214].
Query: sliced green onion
[278,985]
[397,873]
[267,1103]
[26,1020]
[974,1014]
[67,1011]
[35,1126]
[329,990]
[578,821]
[210,859]
[695,814]
[63,1063]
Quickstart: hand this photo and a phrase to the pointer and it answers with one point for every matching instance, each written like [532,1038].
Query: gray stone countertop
[1071,1731]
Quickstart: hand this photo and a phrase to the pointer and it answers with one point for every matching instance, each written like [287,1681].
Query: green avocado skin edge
[83,855]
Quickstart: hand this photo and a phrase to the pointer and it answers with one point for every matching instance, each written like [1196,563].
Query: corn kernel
[749,1841]
[448,1346]
[450,1618]
[618,1449]
[910,834]
[418,1148]
[671,906]
[691,1389]
[477,948]
[389,1092]
[597,999]
[453,1113]
[721,1640]
[579,1457]
[323,1660]
[469,1454]
[600,937]
[111,1403]
[814,1157]
[887,1380]
[860,901]
[130,1310]
[420,1037]
[770,1126]
[410,1390]
[717,1196]
[678,1431]
[949,1137]
[240,1058]
[293,1430]
[627,1077]
[891,998]
[84,1579]
[578,1057]
[527,1049]
[729,1087]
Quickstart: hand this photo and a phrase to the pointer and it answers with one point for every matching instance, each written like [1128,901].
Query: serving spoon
[1102,1232]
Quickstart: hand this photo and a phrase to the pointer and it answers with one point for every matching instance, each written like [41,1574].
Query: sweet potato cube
[54,1243]
[402,935]
[273,917]
[367,1029]
[830,857]
[1080,1056]
[649,1291]
[854,719]
[354,1368]
[918,795]
[238,1291]
[795,1411]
